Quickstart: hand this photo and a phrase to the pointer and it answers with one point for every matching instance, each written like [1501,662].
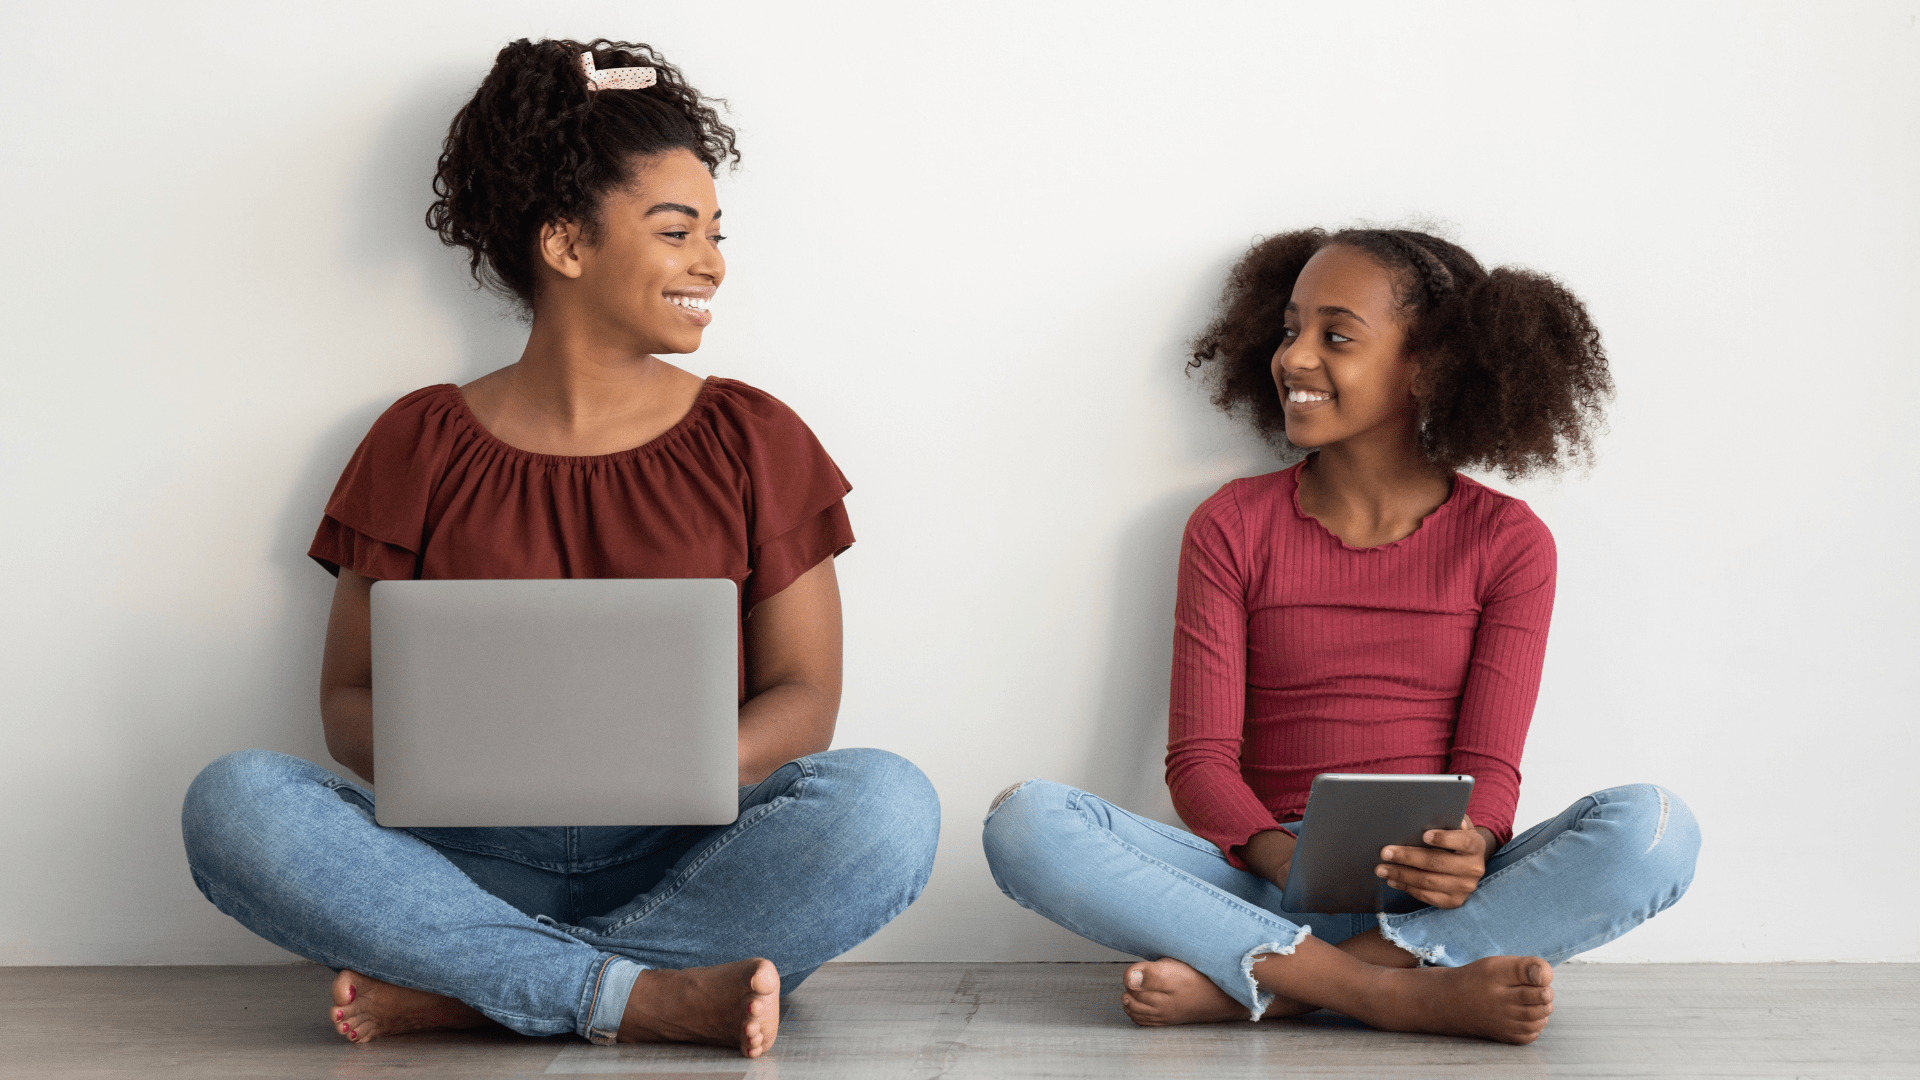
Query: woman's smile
[692,303]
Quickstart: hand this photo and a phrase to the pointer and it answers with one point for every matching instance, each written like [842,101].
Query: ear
[560,244]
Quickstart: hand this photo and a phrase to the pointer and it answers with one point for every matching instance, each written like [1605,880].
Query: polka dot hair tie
[633,78]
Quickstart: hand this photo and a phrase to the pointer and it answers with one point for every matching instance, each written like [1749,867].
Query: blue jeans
[545,930]
[1608,863]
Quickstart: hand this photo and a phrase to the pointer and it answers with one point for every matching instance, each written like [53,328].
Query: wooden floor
[854,1021]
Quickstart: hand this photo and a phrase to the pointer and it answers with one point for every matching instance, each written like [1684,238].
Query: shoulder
[1499,517]
[752,423]
[770,441]
[423,425]
[421,404]
[385,485]
[1511,537]
[410,420]
[737,403]
[1248,498]
[1225,519]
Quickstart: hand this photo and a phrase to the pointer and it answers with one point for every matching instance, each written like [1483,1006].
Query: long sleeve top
[1297,654]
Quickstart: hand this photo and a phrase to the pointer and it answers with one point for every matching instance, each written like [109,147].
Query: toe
[1136,976]
[343,989]
[766,978]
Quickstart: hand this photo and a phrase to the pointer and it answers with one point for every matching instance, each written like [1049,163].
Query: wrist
[1268,853]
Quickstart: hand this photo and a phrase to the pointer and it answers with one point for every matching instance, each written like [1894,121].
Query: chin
[678,346]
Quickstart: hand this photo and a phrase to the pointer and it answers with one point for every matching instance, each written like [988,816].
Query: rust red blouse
[739,489]
[1296,654]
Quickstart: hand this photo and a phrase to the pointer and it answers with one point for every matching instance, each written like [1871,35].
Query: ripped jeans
[1606,864]
[546,930]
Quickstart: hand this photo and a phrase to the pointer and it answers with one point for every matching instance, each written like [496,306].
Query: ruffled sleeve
[796,517]
[375,523]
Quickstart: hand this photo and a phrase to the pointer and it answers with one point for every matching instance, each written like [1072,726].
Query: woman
[1367,610]
[582,187]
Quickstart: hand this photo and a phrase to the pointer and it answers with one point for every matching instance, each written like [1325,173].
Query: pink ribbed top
[1296,654]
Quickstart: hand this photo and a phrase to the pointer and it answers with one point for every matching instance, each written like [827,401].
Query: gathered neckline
[702,401]
[1453,496]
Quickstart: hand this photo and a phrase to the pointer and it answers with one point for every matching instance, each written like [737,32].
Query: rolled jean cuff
[1262,999]
[610,990]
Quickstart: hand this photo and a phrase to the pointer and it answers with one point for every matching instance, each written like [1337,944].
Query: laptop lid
[583,701]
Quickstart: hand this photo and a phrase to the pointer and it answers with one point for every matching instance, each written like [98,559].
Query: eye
[716,238]
[1288,333]
[677,234]
[1338,339]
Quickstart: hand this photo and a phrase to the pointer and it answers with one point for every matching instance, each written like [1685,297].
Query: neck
[1373,473]
[1384,481]
[576,375]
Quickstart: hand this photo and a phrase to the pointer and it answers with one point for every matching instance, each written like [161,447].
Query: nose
[1291,357]
[708,262]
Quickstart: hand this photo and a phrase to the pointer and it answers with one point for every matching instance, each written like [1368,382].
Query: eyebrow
[677,208]
[1331,310]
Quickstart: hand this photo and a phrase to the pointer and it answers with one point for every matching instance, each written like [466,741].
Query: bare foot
[365,1008]
[735,1004]
[1160,993]
[1505,998]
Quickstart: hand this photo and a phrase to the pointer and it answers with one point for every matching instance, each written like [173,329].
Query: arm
[1207,714]
[1503,678]
[793,674]
[346,676]
[1496,708]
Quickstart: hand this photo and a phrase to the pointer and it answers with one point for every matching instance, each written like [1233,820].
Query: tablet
[1350,817]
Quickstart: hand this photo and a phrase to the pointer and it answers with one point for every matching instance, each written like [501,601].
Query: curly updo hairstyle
[1512,376]
[537,145]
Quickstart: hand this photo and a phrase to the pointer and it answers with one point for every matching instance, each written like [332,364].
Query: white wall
[968,243]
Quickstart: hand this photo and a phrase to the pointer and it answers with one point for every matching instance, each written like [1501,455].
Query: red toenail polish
[352,992]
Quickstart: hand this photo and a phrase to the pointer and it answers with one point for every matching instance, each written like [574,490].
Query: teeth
[1308,395]
[697,303]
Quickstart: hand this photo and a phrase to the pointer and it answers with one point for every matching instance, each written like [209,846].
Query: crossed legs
[292,852]
[1220,947]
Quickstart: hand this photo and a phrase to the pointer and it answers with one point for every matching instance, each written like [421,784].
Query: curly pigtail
[1512,376]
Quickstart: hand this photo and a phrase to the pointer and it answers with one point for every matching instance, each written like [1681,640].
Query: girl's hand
[1269,854]
[1443,874]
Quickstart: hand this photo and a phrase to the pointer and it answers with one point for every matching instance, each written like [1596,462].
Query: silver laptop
[586,701]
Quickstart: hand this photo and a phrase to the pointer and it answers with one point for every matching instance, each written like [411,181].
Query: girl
[580,180]
[1367,610]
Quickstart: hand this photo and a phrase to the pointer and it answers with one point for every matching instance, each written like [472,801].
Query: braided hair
[537,145]
[1512,374]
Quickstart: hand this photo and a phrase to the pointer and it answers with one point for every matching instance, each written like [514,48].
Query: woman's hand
[1443,874]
